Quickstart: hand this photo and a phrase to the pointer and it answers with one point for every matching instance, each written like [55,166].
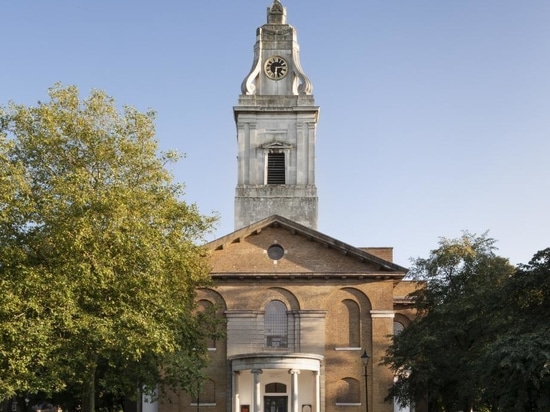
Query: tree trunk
[88,391]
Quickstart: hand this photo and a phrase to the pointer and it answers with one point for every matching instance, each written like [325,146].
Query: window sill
[348,404]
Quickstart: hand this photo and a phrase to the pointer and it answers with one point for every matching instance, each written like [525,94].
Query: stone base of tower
[295,202]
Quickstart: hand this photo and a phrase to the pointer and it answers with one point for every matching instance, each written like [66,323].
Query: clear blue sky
[435,114]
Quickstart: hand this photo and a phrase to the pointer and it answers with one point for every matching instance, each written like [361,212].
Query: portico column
[316,392]
[235,391]
[148,404]
[257,389]
[294,389]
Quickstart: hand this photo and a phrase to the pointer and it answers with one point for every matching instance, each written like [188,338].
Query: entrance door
[275,403]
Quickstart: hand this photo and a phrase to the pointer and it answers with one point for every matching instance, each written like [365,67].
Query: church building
[302,310]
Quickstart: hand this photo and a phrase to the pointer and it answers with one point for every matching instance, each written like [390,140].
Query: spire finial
[276,13]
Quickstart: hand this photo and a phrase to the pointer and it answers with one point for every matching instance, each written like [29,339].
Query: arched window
[397,328]
[348,391]
[276,325]
[207,393]
[205,306]
[349,325]
[275,387]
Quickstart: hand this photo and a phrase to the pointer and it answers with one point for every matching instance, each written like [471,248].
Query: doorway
[275,403]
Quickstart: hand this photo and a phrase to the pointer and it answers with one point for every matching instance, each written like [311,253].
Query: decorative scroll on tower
[276,120]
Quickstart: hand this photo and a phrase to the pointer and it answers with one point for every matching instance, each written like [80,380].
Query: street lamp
[365,360]
[198,396]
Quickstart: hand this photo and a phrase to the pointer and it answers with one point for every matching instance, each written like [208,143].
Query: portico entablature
[302,361]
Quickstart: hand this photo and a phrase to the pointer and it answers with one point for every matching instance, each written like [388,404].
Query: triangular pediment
[308,253]
[276,145]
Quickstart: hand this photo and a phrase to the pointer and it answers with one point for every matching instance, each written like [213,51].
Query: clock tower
[276,121]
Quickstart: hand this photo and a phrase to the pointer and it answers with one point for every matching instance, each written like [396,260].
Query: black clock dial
[276,67]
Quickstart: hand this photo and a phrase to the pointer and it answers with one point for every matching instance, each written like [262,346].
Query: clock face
[276,67]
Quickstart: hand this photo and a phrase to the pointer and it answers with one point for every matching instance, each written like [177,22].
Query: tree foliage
[517,372]
[99,254]
[481,339]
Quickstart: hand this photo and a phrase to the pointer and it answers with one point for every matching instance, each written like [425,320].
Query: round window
[275,252]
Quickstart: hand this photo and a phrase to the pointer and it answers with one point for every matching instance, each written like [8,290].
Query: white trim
[382,314]
[303,361]
[349,348]
[348,404]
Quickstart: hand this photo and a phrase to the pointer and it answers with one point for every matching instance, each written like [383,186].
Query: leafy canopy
[436,356]
[517,369]
[99,254]
[482,338]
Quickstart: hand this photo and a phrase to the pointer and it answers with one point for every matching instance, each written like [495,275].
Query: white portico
[276,382]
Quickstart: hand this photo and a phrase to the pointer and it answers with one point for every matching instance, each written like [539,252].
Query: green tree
[517,365]
[99,254]
[436,358]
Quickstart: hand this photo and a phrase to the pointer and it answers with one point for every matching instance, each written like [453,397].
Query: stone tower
[276,121]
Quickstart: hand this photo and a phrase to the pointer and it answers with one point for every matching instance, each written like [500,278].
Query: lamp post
[198,396]
[365,360]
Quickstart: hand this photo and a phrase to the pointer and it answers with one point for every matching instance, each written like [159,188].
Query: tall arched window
[349,325]
[205,306]
[348,391]
[276,325]
[398,327]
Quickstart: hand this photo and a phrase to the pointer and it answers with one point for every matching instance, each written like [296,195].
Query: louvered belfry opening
[276,168]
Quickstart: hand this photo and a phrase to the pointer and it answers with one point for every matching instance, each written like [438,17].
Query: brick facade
[339,301]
